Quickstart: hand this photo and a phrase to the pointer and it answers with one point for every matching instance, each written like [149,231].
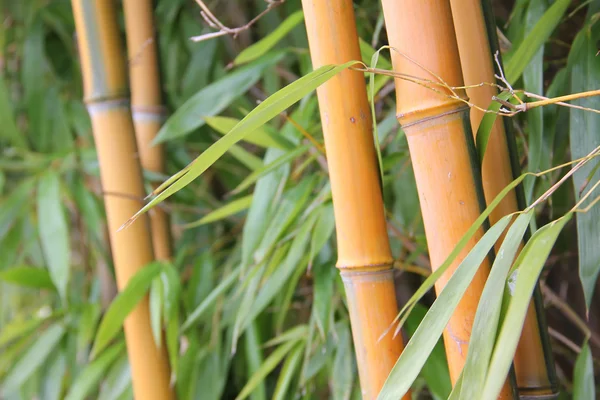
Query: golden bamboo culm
[533,362]
[146,106]
[106,96]
[364,256]
[442,150]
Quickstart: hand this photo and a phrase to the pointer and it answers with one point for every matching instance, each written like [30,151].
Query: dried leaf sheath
[364,255]
[105,88]
[442,151]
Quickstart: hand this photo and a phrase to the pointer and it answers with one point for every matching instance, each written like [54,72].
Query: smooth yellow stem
[442,151]
[105,87]
[146,103]
[364,255]
[530,364]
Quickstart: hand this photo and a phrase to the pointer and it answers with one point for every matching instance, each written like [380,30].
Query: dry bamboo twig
[223,30]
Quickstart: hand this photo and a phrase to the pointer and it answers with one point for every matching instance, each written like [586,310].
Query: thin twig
[223,30]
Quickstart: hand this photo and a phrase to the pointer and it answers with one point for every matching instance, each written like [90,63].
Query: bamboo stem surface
[105,91]
[364,256]
[442,151]
[146,104]
[534,374]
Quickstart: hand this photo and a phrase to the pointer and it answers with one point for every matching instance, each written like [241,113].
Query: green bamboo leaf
[210,299]
[254,357]
[520,58]
[324,279]
[487,317]
[17,328]
[487,122]
[264,112]
[53,380]
[343,367]
[266,169]
[429,331]
[34,358]
[533,81]
[54,231]
[123,304]
[213,99]
[269,365]
[223,212]
[9,130]
[431,279]
[527,270]
[288,372]
[251,161]
[585,74]
[435,370]
[27,276]
[262,136]
[261,47]
[94,373]
[118,380]
[296,333]
[156,309]
[584,387]
[14,206]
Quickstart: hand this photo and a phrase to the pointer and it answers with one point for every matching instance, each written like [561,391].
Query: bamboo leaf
[288,372]
[156,309]
[210,299]
[123,304]
[255,359]
[583,377]
[269,365]
[264,112]
[527,269]
[518,61]
[261,136]
[487,317]
[343,374]
[487,122]
[251,161]
[34,358]
[435,370]
[223,212]
[93,373]
[426,336]
[54,231]
[213,99]
[266,169]
[296,333]
[27,276]
[585,74]
[9,130]
[260,48]
[16,329]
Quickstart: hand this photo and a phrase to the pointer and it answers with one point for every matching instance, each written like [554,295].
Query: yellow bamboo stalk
[364,256]
[146,106]
[442,151]
[105,91]
[533,369]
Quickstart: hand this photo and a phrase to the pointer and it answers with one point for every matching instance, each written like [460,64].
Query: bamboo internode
[364,255]
[533,365]
[146,103]
[105,91]
[442,151]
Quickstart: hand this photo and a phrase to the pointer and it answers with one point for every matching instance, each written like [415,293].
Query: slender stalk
[442,150]
[533,364]
[146,104]
[105,90]
[364,256]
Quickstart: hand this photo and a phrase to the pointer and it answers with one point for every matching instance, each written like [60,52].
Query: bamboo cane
[364,256]
[105,91]
[442,150]
[146,105]
[533,363]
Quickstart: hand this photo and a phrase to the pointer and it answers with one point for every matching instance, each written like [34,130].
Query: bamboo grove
[299,199]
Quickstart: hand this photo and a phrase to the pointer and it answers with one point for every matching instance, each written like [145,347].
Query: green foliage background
[251,304]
